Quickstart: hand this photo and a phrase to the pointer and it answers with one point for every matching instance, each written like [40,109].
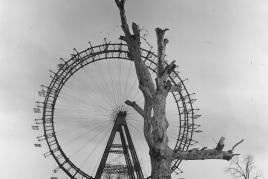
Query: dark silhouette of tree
[244,168]
[154,110]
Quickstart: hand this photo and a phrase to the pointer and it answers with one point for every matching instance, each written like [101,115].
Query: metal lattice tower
[132,167]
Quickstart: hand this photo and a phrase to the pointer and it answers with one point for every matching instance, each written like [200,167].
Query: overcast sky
[221,46]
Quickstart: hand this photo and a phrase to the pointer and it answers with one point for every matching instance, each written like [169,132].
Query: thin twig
[237,144]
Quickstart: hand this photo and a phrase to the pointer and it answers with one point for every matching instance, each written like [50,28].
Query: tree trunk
[160,153]
[160,168]
[154,111]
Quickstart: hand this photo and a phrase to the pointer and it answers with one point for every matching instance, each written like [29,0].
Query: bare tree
[154,110]
[243,169]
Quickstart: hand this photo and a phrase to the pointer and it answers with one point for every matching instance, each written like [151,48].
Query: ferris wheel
[84,105]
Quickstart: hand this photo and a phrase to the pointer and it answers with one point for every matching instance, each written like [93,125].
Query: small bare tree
[154,110]
[245,169]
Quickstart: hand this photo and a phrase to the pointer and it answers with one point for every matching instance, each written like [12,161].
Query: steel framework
[65,70]
[132,167]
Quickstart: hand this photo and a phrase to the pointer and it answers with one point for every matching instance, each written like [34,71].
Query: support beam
[127,148]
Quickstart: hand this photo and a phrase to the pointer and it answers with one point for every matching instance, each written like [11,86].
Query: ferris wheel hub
[119,110]
[121,118]
[122,114]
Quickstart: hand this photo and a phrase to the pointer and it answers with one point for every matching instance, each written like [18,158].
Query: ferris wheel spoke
[125,82]
[132,87]
[71,90]
[71,98]
[109,92]
[139,131]
[94,149]
[120,82]
[72,123]
[90,109]
[81,135]
[117,81]
[135,133]
[136,126]
[113,83]
[111,86]
[82,114]
[135,119]
[81,120]
[78,101]
[133,113]
[138,135]
[84,85]
[137,96]
[89,140]
[100,86]
[133,116]
[139,99]
[94,171]
[113,77]
[64,132]
[79,109]
[87,126]
[60,132]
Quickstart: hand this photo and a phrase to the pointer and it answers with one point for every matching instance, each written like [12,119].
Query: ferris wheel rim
[77,60]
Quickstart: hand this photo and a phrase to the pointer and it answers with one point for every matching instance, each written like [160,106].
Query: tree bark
[160,169]
[154,110]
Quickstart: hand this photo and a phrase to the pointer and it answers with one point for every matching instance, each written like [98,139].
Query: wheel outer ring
[94,54]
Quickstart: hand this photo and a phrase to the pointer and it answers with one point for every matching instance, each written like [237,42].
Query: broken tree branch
[136,31]
[216,153]
[220,144]
[146,114]
[133,42]
[161,44]
[135,106]
[237,144]
[123,38]
[121,6]
[170,67]
[146,84]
